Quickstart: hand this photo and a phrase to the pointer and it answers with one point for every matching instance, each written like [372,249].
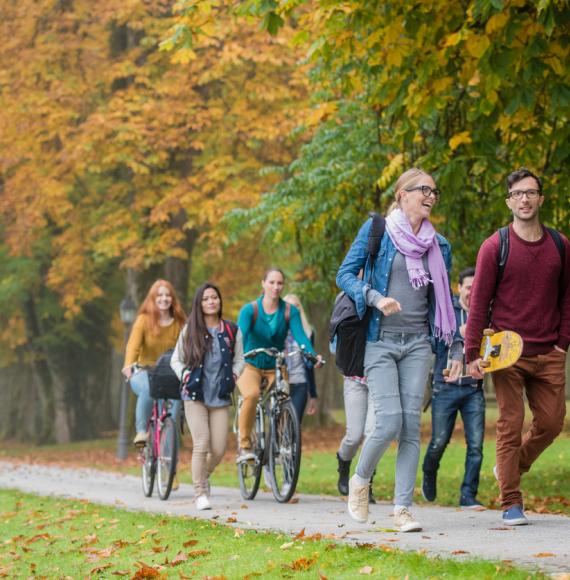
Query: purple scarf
[413,247]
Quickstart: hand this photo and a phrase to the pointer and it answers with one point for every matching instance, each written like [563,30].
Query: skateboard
[499,350]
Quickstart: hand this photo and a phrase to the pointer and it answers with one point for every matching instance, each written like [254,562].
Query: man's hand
[454,372]
[127,372]
[559,349]
[475,370]
[462,330]
[388,306]
[312,407]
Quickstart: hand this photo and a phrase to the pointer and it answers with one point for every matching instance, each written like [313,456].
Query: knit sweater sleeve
[238,361]
[564,332]
[135,342]
[486,270]
[245,320]
[177,360]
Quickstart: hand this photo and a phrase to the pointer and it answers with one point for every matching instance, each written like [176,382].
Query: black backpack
[163,382]
[345,326]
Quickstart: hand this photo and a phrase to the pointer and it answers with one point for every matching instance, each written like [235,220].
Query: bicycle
[276,438]
[159,457]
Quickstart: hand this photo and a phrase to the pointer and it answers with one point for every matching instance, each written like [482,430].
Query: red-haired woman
[155,330]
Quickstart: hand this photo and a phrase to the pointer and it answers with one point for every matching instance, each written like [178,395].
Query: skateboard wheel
[485,364]
[488,332]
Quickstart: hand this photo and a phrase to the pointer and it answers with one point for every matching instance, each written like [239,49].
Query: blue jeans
[397,367]
[299,397]
[141,388]
[447,401]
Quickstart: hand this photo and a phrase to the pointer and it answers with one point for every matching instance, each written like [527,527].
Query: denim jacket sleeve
[354,261]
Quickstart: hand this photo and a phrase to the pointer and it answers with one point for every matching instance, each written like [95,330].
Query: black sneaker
[429,486]
[470,503]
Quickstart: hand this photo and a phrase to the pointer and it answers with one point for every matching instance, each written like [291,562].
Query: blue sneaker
[514,516]
[470,503]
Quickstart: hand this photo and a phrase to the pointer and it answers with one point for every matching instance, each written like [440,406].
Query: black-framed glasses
[426,191]
[530,193]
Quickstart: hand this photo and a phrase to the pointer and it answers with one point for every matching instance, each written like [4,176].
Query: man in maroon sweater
[533,299]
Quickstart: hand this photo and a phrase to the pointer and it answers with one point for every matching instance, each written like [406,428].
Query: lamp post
[128,312]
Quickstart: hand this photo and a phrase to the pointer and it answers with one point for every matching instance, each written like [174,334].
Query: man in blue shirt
[464,396]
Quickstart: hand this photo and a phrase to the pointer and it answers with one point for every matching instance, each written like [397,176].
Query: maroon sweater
[527,299]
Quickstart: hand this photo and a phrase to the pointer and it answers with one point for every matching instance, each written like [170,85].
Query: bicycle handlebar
[273,352]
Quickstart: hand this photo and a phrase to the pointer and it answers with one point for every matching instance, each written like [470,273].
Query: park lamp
[128,311]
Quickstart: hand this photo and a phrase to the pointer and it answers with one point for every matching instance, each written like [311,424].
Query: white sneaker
[358,501]
[141,438]
[404,520]
[203,503]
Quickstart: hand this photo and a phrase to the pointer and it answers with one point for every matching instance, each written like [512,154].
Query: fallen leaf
[198,553]
[145,571]
[121,572]
[294,500]
[99,569]
[178,559]
[239,532]
[287,545]
[251,575]
[366,570]
[190,543]
[458,552]
[244,507]
[545,555]
[301,564]
[322,576]
[231,520]
[300,535]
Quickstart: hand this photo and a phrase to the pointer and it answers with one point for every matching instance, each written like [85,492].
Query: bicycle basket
[163,382]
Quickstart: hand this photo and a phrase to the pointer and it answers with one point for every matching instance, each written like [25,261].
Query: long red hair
[149,307]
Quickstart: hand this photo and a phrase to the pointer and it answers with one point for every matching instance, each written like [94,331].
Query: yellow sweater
[144,347]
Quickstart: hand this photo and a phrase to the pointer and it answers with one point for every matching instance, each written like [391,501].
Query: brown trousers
[542,377]
[209,430]
[249,385]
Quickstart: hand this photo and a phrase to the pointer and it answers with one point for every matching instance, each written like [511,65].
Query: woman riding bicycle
[208,358]
[155,330]
[264,324]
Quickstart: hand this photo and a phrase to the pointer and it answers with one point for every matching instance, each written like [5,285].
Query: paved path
[447,531]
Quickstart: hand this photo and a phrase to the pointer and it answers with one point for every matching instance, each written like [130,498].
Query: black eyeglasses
[426,191]
[530,193]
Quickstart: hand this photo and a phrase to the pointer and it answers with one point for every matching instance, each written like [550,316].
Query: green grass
[546,486]
[45,537]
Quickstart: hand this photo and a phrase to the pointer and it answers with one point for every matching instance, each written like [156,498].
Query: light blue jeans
[141,388]
[397,367]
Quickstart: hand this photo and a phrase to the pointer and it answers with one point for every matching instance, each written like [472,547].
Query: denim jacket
[357,258]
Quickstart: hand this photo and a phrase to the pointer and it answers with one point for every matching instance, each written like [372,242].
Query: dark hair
[466,273]
[273,269]
[198,340]
[521,173]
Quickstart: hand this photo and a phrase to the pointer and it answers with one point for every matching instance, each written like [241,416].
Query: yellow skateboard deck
[500,350]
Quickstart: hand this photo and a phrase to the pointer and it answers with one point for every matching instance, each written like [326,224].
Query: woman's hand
[319,362]
[127,371]
[313,406]
[454,372]
[388,306]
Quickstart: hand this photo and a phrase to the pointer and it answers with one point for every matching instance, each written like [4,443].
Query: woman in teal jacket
[264,324]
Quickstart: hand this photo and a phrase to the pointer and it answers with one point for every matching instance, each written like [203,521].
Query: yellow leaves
[442,84]
[390,171]
[459,139]
[476,45]
[496,22]
[183,56]
[321,113]
[453,39]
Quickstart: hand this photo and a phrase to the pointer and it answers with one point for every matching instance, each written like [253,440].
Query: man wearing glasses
[531,297]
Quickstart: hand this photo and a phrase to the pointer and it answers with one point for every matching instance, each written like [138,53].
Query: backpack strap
[255,312]
[559,243]
[503,254]
[287,313]
[375,234]
[231,331]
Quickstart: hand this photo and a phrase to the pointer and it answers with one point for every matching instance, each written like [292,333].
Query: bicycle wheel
[148,470]
[284,452]
[167,458]
[249,472]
